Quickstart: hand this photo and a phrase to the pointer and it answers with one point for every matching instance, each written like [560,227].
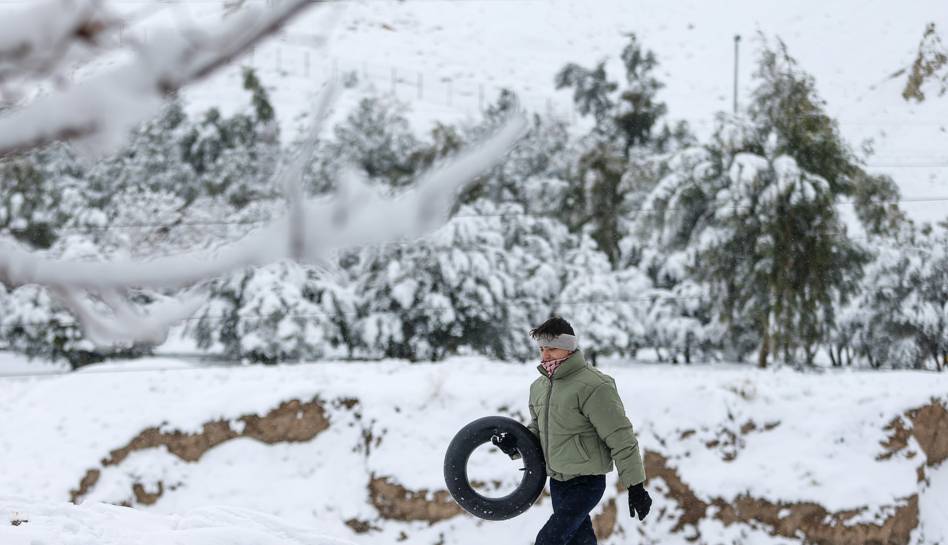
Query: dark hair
[551,328]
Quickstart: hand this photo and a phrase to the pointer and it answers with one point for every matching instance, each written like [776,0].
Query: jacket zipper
[546,454]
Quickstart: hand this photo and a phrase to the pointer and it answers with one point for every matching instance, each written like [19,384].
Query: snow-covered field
[44,523]
[726,432]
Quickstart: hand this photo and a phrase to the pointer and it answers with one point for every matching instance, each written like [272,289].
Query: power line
[631,214]
[657,295]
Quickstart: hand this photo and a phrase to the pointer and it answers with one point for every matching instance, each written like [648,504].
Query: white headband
[563,341]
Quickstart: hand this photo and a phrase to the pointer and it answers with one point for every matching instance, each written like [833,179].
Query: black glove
[639,501]
[507,443]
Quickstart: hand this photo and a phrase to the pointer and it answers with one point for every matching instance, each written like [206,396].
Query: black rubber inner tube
[466,442]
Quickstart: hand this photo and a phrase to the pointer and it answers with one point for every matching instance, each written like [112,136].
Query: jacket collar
[571,365]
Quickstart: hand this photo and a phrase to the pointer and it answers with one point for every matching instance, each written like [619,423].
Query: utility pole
[737,41]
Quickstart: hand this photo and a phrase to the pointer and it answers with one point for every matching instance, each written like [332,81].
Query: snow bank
[27,522]
[727,431]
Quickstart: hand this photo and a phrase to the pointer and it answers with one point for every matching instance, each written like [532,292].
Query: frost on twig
[100,112]
[38,41]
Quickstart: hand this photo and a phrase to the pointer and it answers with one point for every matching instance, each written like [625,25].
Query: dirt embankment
[812,523]
[296,421]
[292,421]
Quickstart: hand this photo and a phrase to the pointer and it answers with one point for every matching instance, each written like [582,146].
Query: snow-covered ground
[781,436]
[27,522]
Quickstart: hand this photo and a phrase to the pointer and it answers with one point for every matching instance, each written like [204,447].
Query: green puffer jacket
[581,423]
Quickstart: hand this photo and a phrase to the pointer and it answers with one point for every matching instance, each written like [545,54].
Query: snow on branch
[36,41]
[100,112]
[357,216]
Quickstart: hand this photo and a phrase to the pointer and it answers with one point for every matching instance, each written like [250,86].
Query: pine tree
[276,313]
[786,103]
[626,130]
[235,157]
[452,292]
[753,215]
[900,317]
[39,193]
[377,138]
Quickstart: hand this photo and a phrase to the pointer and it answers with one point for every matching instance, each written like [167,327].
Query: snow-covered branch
[100,112]
[357,216]
[36,41]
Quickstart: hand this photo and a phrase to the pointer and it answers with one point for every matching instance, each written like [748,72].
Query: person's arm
[606,413]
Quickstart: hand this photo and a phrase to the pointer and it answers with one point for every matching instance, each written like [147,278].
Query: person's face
[547,353]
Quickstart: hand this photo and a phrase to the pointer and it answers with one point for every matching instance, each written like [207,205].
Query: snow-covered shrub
[607,307]
[280,312]
[39,193]
[900,317]
[32,323]
[454,290]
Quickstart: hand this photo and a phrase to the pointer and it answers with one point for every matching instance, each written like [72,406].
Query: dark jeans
[572,502]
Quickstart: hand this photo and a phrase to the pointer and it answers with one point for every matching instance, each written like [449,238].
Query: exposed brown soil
[147,498]
[395,502]
[604,524]
[928,425]
[729,442]
[693,509]
[897,439]
[293,421]
[819,525]
[930,428]
[362,526]
[296,421]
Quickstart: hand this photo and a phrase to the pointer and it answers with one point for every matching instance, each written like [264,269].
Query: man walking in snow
[576,412]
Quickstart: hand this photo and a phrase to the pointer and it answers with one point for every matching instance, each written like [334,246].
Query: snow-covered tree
[235,156]
[453,291]
[377,139]
[39,194]
[777,254]
[609,305]
[279,312]
[547,152]
[627,130]
[786,103]
[900,317]
[35,322]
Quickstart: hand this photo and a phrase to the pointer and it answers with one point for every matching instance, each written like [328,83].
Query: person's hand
[507,443]
[639,501]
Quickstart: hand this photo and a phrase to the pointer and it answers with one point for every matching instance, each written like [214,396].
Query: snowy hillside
[354,450]
[447,62]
